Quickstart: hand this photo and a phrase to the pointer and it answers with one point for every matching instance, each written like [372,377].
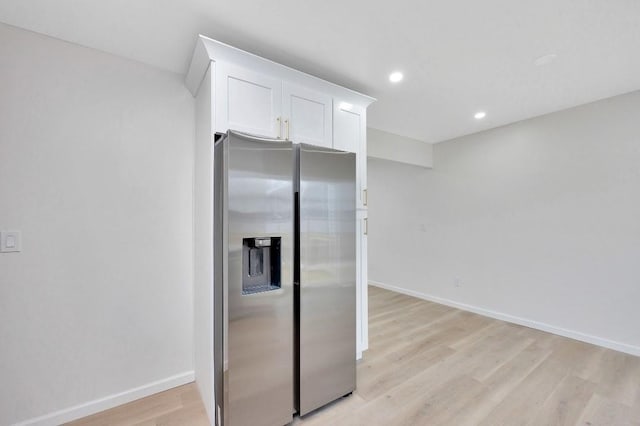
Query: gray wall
[537,222]
[96,170]
[389,146]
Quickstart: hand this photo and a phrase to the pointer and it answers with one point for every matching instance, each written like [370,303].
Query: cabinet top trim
[208,50]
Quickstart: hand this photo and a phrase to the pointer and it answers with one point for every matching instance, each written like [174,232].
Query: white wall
[389,146]
[96,170]
[538,222]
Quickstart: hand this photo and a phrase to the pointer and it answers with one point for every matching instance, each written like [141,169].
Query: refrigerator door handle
[256,138]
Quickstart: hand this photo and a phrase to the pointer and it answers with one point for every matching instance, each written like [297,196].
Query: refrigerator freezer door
[258,360]
[327,288]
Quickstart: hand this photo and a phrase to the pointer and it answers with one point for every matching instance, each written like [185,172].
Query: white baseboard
[576,335]
[101,404]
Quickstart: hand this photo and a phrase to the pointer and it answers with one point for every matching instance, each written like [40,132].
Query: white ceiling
[458,56]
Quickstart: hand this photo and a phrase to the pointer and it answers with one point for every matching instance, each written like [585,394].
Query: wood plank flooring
[429,364]
[179,406]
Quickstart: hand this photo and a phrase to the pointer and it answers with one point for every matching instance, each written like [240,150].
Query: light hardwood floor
[429,364]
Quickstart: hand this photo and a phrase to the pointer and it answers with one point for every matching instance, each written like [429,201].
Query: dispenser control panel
[261,264]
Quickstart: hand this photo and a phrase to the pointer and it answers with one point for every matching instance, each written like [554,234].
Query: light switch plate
[10,241]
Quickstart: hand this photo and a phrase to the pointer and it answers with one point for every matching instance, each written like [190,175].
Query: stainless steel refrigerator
[284,279]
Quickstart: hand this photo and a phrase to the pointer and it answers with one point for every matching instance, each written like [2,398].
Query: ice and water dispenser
[260,264]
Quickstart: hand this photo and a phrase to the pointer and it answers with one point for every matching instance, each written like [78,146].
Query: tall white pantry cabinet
[240,91]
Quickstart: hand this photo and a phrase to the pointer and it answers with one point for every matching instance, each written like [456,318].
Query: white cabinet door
[350,134]
[362,283]
[361,179]
[347,126]
[247,101]
[306,115]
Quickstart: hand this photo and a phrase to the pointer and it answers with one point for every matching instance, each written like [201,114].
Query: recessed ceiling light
[545,60]
[480,115]
[395,77]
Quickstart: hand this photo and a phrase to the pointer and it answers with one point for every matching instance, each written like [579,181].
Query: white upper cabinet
[361,180]
[251,102]
[307,115]
[347,126]
[349,134]
[247,101]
